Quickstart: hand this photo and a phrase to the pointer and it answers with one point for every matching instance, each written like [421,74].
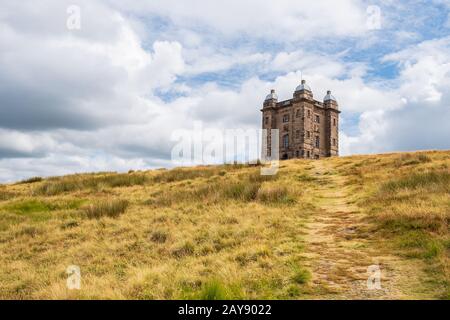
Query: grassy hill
[219,232]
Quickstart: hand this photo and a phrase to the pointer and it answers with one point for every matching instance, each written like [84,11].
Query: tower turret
[303,91]
[271,99]
[330,101]
[332,124]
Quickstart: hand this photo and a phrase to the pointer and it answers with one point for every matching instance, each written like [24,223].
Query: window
[307,154]
[266,120]
[297,134]
[317,119]
[309,114]
[334,142]
[286,141]
[308,134]
[297,153]
[285,118]
[297,113]
[317,142]
[334,122]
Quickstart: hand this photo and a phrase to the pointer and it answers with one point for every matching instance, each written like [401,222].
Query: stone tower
[307,128]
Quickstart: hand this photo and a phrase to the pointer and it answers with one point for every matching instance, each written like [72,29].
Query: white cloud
[89,100]
[421,120]
[284,20]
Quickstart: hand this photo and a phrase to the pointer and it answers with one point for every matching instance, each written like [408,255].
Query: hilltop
[218,232]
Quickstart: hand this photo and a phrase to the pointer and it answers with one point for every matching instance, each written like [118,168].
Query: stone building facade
[307,128]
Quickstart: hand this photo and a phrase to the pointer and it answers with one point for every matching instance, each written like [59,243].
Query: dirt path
[339,255]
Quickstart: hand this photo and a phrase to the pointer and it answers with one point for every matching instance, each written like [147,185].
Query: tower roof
[329,97]
[303,86]
[272,95]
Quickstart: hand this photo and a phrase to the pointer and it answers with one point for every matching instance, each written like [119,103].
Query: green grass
[301,276]
[35,205]
[432,181]
[213,290]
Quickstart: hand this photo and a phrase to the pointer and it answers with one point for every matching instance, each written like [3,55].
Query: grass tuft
[301,276]
[159,237]
[277,194]
[106,208]
[213,290]
[187,249]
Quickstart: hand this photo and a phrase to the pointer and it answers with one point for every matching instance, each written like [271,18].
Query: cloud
[283,20]
[421,120]
[70,80]
[108,96]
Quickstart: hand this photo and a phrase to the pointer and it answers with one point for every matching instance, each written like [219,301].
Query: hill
[219,232]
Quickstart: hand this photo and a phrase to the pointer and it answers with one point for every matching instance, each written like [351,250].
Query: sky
[96,85]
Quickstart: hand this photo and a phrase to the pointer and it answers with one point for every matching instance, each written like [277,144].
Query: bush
[31,180]
[109,208]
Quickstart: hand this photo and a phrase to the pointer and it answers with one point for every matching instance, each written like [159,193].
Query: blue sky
[108,96]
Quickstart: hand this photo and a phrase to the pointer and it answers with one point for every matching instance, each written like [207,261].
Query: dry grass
[106,208]
[410,207]
[186,233]
[217,232]
[32,180]
[73,183]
